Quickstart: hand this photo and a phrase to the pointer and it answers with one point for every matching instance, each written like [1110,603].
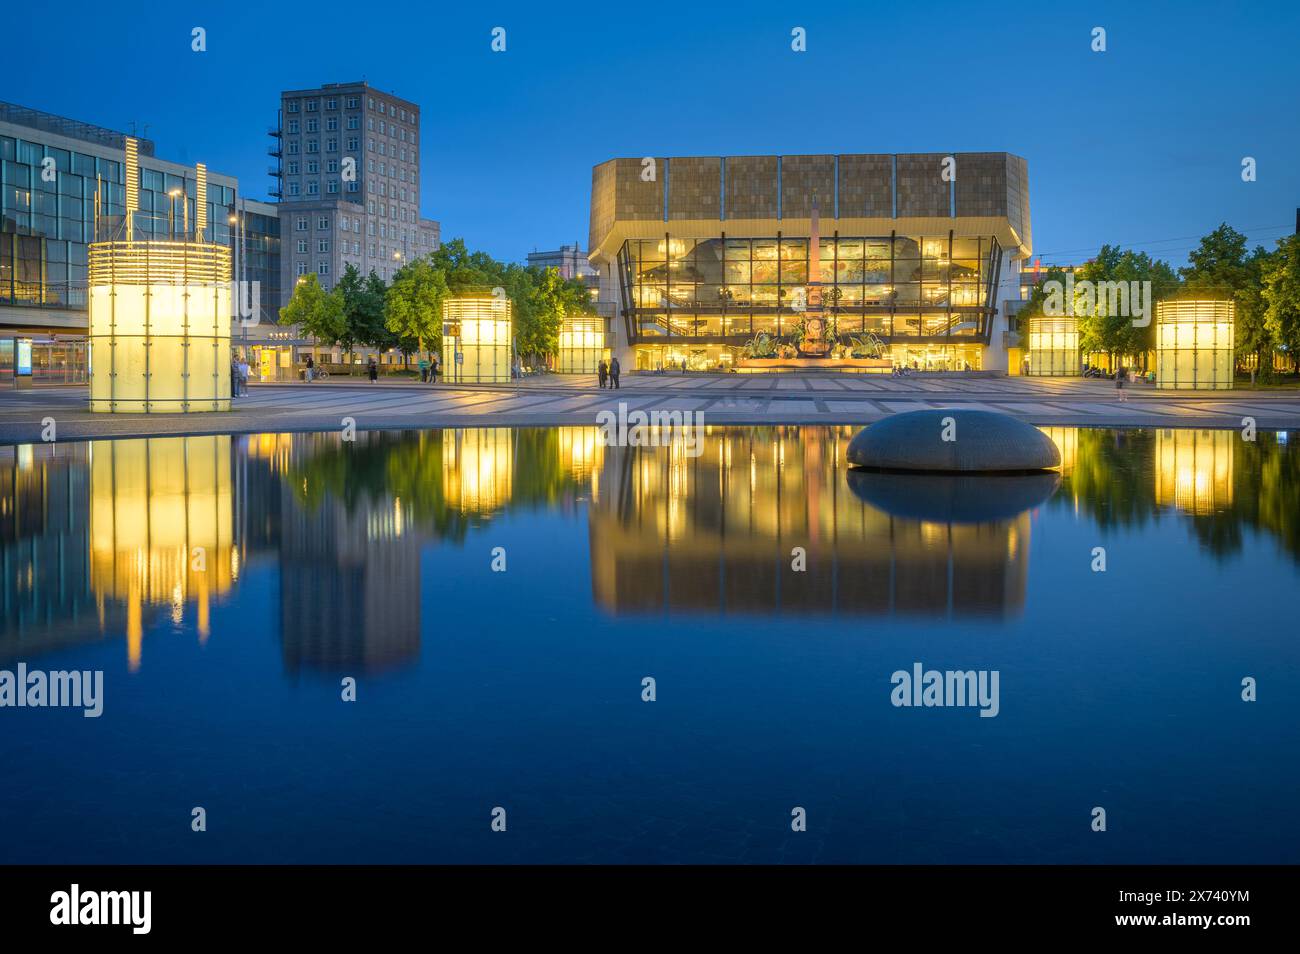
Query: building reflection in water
[105,538]
[1194,470]
[478,466]
[161,527]
[1066,440]
[349,561]
[715,533]
[46,599]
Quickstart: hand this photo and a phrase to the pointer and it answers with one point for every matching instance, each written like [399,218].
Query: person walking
[602,372]
[234,377]
[373,371]
[433,368]
[311,369]
[424,371]
[1121,378]
[614,371]
[243,377]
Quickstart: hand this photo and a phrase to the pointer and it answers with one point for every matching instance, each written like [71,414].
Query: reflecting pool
[648,654]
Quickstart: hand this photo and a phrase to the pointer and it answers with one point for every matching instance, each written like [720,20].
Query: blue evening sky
[1141,145]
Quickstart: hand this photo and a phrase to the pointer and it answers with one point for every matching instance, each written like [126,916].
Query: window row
[794,298]
[915,324]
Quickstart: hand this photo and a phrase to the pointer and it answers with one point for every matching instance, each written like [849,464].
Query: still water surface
[319,560]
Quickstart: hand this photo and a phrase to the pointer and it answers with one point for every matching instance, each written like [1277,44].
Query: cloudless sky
[1140,145]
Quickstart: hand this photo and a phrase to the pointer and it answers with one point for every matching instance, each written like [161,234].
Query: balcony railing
[66,295]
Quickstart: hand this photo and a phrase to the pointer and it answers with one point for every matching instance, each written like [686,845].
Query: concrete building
[50,167]
[916,255]
[348,159]
[571,261]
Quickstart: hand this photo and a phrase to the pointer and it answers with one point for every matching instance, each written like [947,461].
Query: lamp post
[238,222]
[171,213]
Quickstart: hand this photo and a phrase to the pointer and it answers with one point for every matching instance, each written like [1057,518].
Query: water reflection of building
[1066,440]
[46,598]
[478,468]
[715,534]
[581,454]
[161,527]
[1194,470]
[349,582]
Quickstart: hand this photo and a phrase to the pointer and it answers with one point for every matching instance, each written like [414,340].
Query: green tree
[1222,268]
[1114,334]
[413,312]
[317,312]
[1281,294]
[467,271]
[363,310]
[547,300]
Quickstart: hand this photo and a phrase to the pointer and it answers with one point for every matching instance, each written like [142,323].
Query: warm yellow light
[476,338]
[1194,470]
[477,468]
[159,327]
[1195,341]
[161,525]
[582,344]
[1053,346]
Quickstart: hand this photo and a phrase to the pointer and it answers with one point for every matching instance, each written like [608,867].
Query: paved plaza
[722,398]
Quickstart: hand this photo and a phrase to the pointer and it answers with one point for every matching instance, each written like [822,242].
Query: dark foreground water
[227,587]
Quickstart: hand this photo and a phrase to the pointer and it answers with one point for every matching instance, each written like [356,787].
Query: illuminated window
[1194,344]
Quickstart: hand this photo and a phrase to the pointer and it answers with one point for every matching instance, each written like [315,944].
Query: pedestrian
[433,368]
[602,372]
[243,376]
[373,371]
[311,369]
[614,371]
[1121,378]
[424,371]
[234,377]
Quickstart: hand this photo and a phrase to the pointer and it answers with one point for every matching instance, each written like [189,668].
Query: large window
[901,286]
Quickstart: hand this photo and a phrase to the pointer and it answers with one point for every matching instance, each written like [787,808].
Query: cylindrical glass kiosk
[159,327]
[476,332]
[1194,344]
[582,344]
[1054,346]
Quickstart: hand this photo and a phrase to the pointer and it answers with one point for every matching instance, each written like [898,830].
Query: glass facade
[1054,347]
[728,290]
[1194,344]
[159,327]
[47,221]
[476,339]
[582,344]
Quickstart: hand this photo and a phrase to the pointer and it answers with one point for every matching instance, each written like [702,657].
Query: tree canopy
[1264,285]
[407,314]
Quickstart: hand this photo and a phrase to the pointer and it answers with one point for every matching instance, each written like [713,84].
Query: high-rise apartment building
[348,160]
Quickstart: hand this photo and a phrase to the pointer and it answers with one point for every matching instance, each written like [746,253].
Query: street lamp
[171,212]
